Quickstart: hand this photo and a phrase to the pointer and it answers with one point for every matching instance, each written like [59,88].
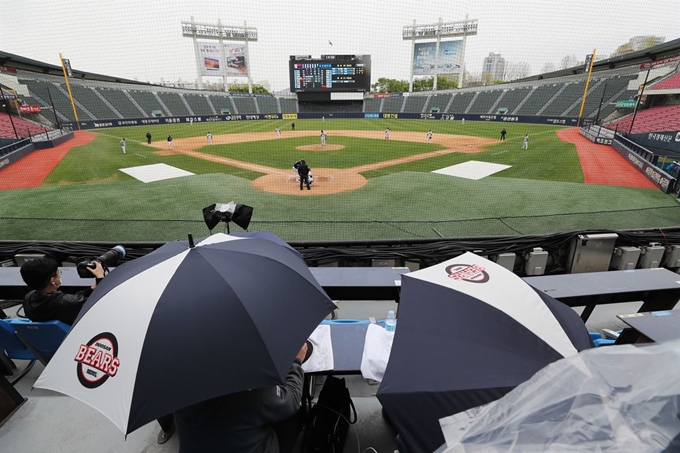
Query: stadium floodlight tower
[221,60]
[444,58]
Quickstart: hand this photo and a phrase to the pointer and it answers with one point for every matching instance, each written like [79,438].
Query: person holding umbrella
[220,302]
[485,331]
[244,421]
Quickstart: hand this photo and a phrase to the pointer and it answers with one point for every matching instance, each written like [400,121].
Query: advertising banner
[424,57]
[666,141]
[236,60]
[214,62]
[67,66]
[97,124]
[29,109]
[586,65]
[626,104]
[652,64]
[663,180]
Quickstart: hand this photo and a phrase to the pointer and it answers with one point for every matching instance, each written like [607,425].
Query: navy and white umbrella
[469,331]
[184,324]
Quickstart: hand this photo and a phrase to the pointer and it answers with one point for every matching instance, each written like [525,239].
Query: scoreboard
[330,73]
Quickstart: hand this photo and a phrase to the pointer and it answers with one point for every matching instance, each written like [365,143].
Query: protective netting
[119,230]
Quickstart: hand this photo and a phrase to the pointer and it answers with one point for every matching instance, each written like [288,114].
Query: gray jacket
[240,422]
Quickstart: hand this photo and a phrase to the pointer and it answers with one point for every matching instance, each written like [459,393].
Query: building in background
[643,42]
[494,64]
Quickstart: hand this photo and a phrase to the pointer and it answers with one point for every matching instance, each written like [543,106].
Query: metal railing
[51,135]
[8,149]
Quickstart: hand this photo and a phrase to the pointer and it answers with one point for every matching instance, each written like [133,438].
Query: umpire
[303,172]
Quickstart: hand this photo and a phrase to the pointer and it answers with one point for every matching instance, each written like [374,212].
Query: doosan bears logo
[97,360]
[472,273]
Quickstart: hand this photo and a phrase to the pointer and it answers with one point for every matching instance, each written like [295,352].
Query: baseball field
[465,182]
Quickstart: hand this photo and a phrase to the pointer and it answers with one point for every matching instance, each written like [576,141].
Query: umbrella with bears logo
[469,331]
[187,323]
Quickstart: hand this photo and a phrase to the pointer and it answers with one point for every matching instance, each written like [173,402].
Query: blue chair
[14,348]
[603,342]
[345,321]
[598,340]
[42,339]
[595,336]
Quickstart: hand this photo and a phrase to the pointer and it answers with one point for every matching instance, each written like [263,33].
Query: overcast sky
[143,39]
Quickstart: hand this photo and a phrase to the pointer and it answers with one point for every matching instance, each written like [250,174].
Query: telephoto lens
[112,256]
[107,259]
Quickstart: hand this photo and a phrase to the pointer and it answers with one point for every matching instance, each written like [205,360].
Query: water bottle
[391,322]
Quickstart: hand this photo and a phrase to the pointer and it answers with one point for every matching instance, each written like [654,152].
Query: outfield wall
[97,124]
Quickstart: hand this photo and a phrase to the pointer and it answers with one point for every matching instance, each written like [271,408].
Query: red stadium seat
[23,128]
[655,119]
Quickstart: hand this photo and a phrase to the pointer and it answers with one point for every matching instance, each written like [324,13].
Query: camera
[106,259]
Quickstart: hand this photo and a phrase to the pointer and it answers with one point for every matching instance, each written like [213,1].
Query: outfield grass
[282,153]
[551,158]
[548,159]
[87,198]
[102,159]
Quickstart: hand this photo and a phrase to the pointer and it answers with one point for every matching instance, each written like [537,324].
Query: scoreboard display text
[330,73]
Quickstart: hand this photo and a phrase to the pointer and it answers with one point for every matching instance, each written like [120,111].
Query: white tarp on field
[155,172]
[472,169]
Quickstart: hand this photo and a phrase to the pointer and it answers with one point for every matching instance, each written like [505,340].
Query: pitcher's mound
[319,147]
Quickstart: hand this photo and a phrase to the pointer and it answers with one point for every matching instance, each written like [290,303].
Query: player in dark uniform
[303,171]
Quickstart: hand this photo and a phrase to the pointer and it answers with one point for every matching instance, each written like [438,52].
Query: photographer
[46,302]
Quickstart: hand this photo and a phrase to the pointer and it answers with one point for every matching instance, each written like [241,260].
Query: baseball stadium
[552,174]
[465,182]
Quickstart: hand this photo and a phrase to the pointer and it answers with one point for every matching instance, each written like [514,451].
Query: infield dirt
[326,180]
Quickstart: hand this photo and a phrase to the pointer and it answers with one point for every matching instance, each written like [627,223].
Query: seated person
[46,302]
[243,421]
